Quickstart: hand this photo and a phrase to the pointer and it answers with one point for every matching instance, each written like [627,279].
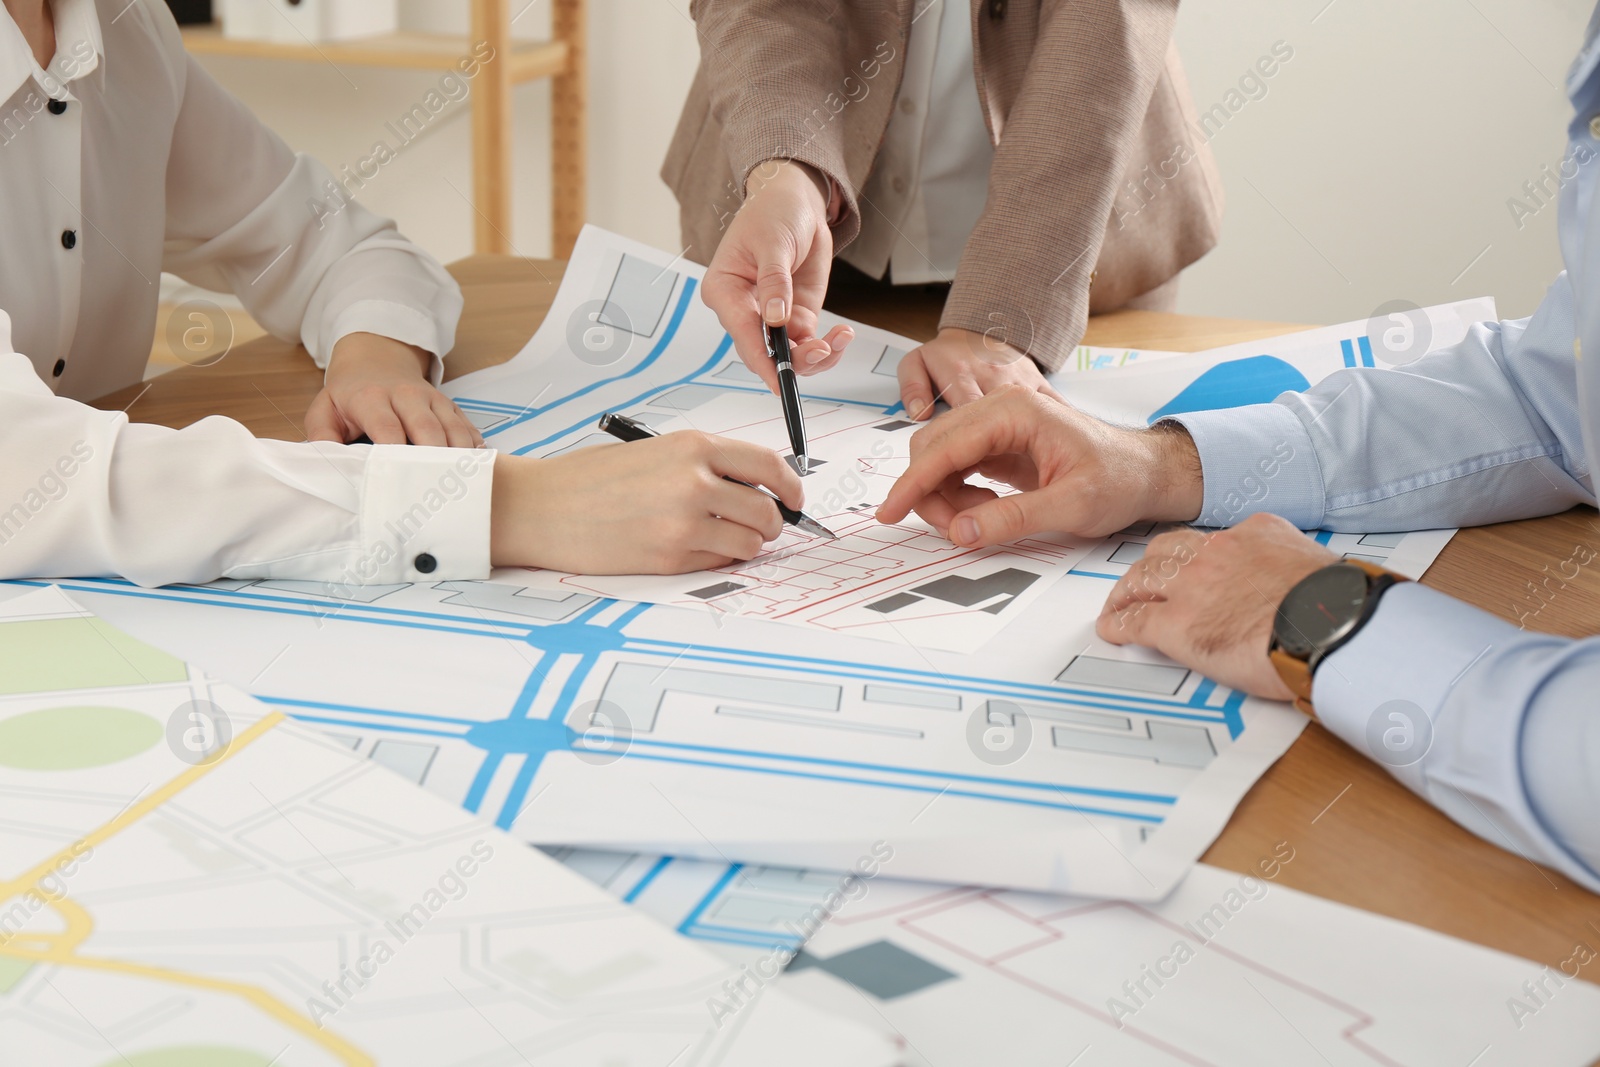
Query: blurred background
[1376,164]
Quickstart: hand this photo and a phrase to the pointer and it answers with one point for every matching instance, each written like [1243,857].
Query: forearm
[1495,726]
[780,74]
[246,215]
[84,493]
[1485,431]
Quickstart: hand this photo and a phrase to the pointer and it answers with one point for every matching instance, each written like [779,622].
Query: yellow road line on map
[132,814]
[267,1003]
[80,924]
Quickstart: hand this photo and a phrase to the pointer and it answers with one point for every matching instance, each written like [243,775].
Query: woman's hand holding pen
[772,267]
[660,506]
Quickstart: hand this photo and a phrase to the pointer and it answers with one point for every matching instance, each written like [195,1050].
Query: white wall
[1377,166]
[1379,163]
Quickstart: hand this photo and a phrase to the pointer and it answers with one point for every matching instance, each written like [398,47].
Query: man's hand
[1208,600]
[377,386]
[1078,474]
[772,267]
[960,366]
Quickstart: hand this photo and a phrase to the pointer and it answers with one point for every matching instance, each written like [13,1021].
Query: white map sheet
[270,899]
[628,333]
[1045,759]
[1230,971]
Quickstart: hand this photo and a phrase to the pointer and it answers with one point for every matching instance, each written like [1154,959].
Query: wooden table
[1358,836]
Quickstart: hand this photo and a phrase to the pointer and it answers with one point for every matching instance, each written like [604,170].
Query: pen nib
[802,463]
[815,528]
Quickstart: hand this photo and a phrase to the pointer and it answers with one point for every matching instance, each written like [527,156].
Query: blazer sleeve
[778,74]
[1024,275]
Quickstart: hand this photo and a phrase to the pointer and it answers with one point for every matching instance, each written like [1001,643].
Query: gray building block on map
[881,969]
[638,688]
[514,600]
[1164,679]
[638,296]
[1174,743]
[965,592]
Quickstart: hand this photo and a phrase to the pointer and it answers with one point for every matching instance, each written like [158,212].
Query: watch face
[1320,610]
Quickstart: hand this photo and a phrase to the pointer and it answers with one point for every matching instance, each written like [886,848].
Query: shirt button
[60,366]
[997,9]
[425,563]
[898,184]
[1594,127]
[908,105]
[69,239]
[57,107]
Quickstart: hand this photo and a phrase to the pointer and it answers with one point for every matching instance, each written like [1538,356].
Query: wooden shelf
[562,60]
[415,51]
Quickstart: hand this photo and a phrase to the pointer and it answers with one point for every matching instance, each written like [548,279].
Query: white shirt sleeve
[84,492]
[1497,727]
[248,216]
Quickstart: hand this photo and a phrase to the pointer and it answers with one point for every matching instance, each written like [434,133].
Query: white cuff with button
[424,515]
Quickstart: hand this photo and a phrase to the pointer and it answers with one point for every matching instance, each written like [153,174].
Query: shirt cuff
[400,322]
[1253,459]
[1404,692]
[424,515]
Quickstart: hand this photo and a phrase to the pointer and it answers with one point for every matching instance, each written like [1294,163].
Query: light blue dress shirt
[1496,725]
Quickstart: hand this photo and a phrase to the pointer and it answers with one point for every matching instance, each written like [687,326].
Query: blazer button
[69,239]
[60,366]
[997,9]
[1594,127]
[425,563]
[57,107]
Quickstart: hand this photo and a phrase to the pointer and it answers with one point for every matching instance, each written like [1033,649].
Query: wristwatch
[1325,609]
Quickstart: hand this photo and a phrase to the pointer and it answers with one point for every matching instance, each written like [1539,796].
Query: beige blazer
[1102,186]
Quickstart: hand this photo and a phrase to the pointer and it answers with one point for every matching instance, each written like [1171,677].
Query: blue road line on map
[722,883]
[322,705]
[1192,708]
[585,637]
[579,641]
[492,736]
[654,354]
[716,357]
[644,883]
[754,938]
[385,727]
[1366,350]
[885,768]
[746,942]
[578,636]
[908,787]
[803,395]
[492,406]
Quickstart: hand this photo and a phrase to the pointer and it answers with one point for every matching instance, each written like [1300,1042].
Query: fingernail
[818,355]
[776,312]
[964,531]
[916,408]
[845,337]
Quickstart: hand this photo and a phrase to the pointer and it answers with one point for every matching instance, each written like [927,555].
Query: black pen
[625,429]
[789,394]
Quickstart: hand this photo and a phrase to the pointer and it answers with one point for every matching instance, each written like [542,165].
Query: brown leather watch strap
[1296,672]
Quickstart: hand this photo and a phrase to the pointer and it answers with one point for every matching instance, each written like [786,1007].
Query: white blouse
[123,159]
